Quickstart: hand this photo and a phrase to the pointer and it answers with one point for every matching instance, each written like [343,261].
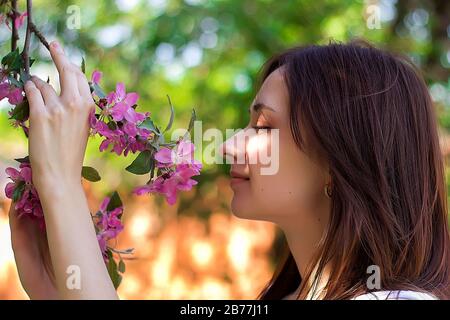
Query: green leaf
[17,194]
[112,125]
[116,278]
[161,140]
[121,267]
[155,143]
[191,124]
[23,160]
[13,60]
[149,125]
[4,8]
[168,144]
[83,65]
[172,114]
[90,174]
[21,112]
[98,91]
[142,163]
[24,77]
[114,202]
[15,82]
[152,168]
[192,120]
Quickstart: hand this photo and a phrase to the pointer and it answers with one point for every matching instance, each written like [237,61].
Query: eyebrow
[258,106]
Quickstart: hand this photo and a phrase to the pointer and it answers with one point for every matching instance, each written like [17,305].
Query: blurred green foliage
[207,54]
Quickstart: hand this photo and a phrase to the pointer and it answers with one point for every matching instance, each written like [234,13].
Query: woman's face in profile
[292,191]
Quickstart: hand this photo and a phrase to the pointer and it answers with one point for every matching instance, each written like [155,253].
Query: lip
[237,178]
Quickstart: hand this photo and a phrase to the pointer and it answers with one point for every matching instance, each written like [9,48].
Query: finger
[83,87]
[23,240]
[66,70]
[47,91]
[19,233]
[35,100]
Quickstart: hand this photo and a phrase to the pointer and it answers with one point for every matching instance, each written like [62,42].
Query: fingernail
[56,45]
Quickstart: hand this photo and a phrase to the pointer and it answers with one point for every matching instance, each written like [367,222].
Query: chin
[239,208]
[244,209]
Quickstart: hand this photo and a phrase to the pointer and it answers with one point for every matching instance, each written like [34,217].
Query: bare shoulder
[396,295]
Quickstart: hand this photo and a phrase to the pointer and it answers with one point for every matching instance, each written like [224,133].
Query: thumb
[22,229]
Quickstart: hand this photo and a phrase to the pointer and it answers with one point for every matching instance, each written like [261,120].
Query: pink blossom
[120,95]
[169,185]
[4,90]
[122,105]
[108,224]
[11,92]
[92,119]
[15,96]
[96,76]
[182,167]
[182,153]
[129,138]
[18,21]
[28,203]
[115,139]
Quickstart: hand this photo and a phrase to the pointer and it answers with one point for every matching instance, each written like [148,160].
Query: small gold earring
[328,190]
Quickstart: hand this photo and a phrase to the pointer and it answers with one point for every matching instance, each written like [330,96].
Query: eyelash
[257,128]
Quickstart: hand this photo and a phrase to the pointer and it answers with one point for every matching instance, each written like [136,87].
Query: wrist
[57,188]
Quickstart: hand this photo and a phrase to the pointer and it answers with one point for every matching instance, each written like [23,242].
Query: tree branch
[39,35]
[15,35]
[26,47]
[35,30]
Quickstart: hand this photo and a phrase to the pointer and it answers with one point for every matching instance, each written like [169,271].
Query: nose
[226,150]
[232,150]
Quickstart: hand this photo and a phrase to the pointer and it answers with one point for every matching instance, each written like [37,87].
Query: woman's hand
[58,133]
[59,126]
[32,257]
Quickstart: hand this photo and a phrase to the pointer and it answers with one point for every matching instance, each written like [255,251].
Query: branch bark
[15,35]
[39,35]
[35,30]
[26,47]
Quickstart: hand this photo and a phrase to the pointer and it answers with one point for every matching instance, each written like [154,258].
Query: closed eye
[257,128]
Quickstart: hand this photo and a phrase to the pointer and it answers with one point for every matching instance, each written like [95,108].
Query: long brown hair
[368,113]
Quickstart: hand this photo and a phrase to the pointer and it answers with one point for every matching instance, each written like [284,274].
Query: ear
[326,174]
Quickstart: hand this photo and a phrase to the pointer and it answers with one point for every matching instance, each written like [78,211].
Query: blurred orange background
[176,256]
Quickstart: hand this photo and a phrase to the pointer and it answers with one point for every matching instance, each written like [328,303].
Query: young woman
[359,187]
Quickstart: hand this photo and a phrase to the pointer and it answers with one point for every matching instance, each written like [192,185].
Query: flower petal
[12,173]
[131,98]
[9,189]
[96,76]
[120,91]
[164,155]
[104,204]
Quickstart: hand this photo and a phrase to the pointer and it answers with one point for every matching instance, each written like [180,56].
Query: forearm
[73,242]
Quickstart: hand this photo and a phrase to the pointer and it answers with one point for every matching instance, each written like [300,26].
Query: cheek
[293,190]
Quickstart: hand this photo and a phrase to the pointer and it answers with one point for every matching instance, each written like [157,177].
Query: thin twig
[15,35]
[35,30]
[39,35]
[26,47]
